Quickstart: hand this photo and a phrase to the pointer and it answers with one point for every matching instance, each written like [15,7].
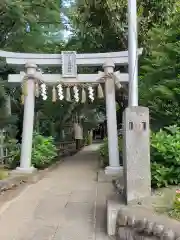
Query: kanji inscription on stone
[69,67]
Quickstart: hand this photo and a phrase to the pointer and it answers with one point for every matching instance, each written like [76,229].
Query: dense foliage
[44,152]
[27,25]
[165,157]
[3,115]
[160,82]
[14,149]
[175,211]
[177,201]
[101,26]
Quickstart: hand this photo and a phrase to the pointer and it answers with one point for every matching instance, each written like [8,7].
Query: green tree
[160,81]
[27,25]
[102,25]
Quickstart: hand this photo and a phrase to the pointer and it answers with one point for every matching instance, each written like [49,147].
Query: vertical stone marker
[136,154]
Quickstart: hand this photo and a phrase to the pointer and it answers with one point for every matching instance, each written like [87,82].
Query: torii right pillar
[114,166]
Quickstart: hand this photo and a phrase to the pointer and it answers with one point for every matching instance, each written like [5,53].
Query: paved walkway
[67,204]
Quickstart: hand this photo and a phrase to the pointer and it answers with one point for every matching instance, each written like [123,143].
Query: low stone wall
[141,224]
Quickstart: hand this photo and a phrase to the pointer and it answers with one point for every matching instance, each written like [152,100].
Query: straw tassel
[100,92]
[24,88]
[68,95]
[83,100]
[24,91]
[22,99]
[54,94]
[37,91]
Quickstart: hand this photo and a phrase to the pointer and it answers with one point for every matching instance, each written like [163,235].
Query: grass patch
[3,174]
[175,213]
[163,202]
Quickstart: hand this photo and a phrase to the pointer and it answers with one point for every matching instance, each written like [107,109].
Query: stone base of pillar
[20,170]
[113,206]
[113,171]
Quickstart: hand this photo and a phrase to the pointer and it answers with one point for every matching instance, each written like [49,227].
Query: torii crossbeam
[88,59]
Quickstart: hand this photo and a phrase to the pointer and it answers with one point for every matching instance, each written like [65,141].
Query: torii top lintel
[87,59]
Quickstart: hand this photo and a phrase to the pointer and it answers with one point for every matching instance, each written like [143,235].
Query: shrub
[13,148]
[177,201]
[165,157]
[88,139]
[104,153]
[44,151]
[175,211]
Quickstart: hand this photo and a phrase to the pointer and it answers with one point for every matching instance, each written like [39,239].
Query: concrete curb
[139,223]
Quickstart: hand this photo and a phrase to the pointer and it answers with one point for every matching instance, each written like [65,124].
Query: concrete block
[113,207]
[103,176]
[113,171]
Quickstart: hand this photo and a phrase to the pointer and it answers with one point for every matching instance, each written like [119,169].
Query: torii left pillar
[28,121]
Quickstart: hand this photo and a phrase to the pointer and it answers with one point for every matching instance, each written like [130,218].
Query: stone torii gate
[69,62]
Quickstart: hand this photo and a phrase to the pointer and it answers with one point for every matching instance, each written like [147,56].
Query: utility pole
[132,53]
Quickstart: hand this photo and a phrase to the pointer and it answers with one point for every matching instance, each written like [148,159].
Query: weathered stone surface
[113,208]
[145,224]
[136,154]
[158,230]
[103,177]
[125,233]
[142,237]
[140,225]
[122,219]
[168,235]
[139,237]
[131,221]
[149,227]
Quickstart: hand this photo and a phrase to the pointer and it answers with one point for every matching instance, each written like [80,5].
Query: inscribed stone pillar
[136,154]
[28,121]
[114,166]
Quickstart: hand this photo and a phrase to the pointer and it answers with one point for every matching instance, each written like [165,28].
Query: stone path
[67,204]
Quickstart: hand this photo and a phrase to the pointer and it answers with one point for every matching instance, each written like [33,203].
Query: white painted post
[114,166]
[132,53]
[28,121]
